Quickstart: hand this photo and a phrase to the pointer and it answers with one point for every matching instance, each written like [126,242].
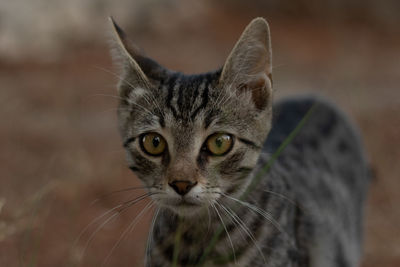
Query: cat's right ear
[137,71]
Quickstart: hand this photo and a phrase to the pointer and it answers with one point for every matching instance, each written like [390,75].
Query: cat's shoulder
[289,112]
[318,118]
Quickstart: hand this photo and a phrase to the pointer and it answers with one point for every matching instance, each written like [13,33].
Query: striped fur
[306,211]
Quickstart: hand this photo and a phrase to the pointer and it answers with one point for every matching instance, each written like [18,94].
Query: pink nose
[182,187]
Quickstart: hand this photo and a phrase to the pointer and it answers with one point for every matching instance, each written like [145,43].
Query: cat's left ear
[249,66]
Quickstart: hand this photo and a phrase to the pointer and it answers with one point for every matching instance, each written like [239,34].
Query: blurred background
[60,149]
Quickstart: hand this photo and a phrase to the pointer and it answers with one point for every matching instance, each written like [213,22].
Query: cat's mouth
[186,206]
[185,203]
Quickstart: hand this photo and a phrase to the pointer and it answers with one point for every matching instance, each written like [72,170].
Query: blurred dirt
[61,153]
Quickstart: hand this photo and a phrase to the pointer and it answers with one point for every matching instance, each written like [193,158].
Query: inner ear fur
[137,69]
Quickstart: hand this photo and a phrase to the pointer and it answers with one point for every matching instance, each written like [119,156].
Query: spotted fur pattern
[305,211]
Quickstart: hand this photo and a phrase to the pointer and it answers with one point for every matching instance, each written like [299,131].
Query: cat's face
[192,138]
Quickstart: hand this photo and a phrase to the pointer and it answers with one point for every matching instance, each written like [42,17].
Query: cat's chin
[187,209]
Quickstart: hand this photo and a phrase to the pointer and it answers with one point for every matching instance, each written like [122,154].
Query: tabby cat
[238,181]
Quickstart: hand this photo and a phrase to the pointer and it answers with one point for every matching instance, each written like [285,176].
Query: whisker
[129,203]
[244,228]
[232,219]
[129,229]
[97,230]
[150,237]
[143,108]
[151,97]
[117,192]
[291,201]
[114,74]
[107,95]
[226,231]
[279,66]
[102,112]
[264,214]
[119,209]
[94,221]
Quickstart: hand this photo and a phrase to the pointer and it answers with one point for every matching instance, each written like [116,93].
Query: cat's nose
[182,187]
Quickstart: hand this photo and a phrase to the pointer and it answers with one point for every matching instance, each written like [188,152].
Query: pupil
[156,141]
[218,142]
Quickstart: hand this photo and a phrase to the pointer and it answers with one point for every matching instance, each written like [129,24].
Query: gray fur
[306,211]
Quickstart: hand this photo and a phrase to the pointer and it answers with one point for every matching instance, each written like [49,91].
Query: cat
[236,179]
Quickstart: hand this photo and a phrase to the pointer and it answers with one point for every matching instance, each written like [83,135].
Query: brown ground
[60,149]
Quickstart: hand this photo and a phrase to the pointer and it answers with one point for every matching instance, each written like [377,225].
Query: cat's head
[190,138]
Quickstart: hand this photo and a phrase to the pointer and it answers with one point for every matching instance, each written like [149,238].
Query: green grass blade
[178,236]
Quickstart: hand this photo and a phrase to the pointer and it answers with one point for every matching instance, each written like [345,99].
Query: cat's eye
[219,144]
[153,144]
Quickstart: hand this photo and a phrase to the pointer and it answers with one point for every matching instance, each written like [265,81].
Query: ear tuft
[128,48]
[137,69]
[249,65]
[126,55]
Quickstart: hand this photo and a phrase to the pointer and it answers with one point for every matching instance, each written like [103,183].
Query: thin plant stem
[178,236]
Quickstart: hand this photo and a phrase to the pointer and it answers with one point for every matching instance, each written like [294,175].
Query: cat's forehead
[186,97]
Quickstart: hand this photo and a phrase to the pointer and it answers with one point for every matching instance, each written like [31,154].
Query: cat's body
[198,143]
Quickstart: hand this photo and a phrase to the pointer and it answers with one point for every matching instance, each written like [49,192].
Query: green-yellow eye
[153,144]
[219,144]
